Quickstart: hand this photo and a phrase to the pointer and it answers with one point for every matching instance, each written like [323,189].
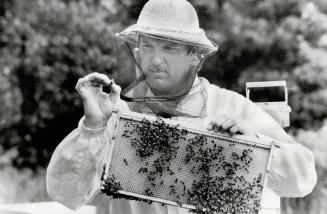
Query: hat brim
[198,39]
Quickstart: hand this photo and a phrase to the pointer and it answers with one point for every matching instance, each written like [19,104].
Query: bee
[125,161]
[103,172]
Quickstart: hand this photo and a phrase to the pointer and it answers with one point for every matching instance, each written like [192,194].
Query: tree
[47,46]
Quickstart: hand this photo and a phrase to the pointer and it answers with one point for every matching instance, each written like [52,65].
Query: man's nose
[157,57]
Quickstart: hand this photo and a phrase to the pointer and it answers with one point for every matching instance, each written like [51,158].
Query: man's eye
[172,49]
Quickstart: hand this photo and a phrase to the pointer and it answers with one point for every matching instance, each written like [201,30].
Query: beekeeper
[167,48]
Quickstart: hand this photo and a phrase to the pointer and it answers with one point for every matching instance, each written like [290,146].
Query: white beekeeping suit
[73,175]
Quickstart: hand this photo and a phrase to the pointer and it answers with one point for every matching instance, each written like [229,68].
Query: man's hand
[98,105]
[230,124]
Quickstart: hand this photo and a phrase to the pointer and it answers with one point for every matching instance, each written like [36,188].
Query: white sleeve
[72,174]
[292,172]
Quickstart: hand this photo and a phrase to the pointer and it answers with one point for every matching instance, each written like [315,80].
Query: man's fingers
[114,95]
[216,129]
[224,124]
[116,89]
[235,130]
[79,84]
[96,80]
[210,126]
[215,124]
[227,124]
[97,77]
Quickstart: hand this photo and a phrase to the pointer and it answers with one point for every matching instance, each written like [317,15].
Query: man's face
[166,65]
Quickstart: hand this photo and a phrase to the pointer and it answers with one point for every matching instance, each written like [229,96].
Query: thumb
[115,88]
[115,92]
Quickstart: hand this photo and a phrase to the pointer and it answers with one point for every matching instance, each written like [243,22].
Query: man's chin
[158,82]
[159,87]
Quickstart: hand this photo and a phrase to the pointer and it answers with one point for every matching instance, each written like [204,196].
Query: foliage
[271,40]
[21,186]
[46,47]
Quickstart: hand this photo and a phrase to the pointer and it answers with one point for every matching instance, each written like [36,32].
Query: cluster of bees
[230,192]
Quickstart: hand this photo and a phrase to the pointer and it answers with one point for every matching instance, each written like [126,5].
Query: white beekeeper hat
[173,19]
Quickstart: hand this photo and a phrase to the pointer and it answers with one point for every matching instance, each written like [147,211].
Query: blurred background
[46,45]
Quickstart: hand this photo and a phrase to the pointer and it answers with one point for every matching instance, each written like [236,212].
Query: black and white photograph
[163,107]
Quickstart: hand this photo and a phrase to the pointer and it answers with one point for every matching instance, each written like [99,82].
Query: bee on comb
[105,87]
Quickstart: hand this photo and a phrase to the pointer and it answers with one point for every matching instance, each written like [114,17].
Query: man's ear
[194,59]
[195,62]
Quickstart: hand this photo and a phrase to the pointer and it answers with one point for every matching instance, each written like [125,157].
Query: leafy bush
[46,46]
